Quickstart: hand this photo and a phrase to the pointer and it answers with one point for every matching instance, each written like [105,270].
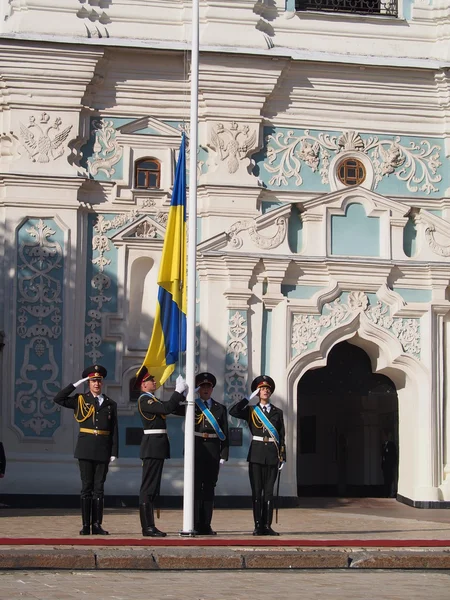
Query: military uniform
[209,451]
[155,448]
[2,460]
[264,455]
[98,440]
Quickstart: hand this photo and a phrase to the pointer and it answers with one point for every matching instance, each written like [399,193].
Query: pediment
[143,228]
[374,203]
[263,233]
[149,126]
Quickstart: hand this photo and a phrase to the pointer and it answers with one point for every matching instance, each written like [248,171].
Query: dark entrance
[345,416]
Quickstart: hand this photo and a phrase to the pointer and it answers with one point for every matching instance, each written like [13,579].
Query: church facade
[323,229]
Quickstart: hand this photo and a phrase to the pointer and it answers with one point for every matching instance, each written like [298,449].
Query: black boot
[147,515]
[268,519]
[97,517]
[198,517]
[257,516]
[208,507]
[86,504]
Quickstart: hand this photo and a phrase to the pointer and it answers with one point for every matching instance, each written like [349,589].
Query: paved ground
[359,528]
[381,518]
[225,585]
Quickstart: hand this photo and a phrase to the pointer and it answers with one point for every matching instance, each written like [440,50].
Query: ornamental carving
[416,164]
[236,365]
[146,230]
[38,333]
[435,247]
[307,330]
[186,129]
[107,151]
[232,143]
[263,242]
[100,280]
[44,141]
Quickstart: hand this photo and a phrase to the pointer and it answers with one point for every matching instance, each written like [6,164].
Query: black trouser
[262,480]
[93,476]
[390,482]
[205,478]
[152,469]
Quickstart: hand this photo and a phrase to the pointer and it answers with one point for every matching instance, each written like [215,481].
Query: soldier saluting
[97,445]
[267,451]
[155,446]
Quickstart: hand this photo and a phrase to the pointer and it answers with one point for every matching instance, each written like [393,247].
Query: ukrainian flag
[169,329]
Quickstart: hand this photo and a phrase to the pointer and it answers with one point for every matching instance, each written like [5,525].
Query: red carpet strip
[219,541]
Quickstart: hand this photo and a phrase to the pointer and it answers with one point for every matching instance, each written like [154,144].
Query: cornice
[301,54]
[61,85]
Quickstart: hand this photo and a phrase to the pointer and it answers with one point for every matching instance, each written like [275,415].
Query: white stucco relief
[107,151]
[232,143]
[415,164]
[44,141]
[307,330]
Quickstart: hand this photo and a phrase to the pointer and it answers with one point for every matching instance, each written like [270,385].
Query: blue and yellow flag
[169,329]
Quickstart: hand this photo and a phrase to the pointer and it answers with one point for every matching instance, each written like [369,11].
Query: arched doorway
[345,414]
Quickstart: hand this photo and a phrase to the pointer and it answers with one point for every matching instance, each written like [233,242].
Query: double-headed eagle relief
[42,141]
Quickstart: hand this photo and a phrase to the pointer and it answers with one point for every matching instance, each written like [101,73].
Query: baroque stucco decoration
[439,249]
[107,150]
[100,281]
[42,141]
[39,331]
[236,365]
[232,143]
[308,329]
[261,241]
[415,164]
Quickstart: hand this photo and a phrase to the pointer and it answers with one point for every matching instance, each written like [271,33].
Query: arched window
[147,173]
[351,171]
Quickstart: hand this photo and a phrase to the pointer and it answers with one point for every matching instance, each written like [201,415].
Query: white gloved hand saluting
[80,381]
[180,385]
[255,393]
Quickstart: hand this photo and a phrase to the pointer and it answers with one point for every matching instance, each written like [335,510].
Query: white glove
[181,385]
[222,461]
[80,381]
[112,459]
[196,389]
[255,393]
[281,466]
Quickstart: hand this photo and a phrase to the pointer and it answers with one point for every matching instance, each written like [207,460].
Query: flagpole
[188,494]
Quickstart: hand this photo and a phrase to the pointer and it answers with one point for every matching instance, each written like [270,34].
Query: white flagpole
[188,497]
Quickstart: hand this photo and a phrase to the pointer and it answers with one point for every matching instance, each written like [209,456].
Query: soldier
[154,445]
[98,442]
[2,460]
[211,450]
[267,453]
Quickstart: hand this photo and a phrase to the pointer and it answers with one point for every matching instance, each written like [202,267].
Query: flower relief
[237,361]
[308,329]
[107,151]
[416,164]
[100,281]
[39,331]
[146,230]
